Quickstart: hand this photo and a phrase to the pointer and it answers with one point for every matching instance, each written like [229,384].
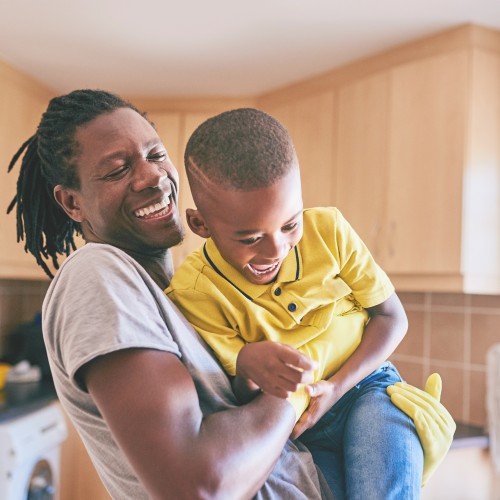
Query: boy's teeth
[264,270]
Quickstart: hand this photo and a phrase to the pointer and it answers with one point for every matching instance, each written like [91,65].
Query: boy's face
[253,230]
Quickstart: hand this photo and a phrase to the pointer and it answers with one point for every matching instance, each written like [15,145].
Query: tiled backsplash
[19,302]
[448,333]
[451,334]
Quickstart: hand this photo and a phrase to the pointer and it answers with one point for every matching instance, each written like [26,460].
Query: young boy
[293,304]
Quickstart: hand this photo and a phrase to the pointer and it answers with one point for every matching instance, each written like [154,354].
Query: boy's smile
[253,230]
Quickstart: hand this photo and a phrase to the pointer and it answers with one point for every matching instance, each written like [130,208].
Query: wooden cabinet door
[481,223]
[21,107]
[312,134]
[310,122]
[427,130]
[362,159]
[78,478]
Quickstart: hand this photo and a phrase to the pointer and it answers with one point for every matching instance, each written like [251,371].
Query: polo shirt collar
[291,270]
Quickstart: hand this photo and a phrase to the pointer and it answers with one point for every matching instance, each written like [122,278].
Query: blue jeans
[365,446]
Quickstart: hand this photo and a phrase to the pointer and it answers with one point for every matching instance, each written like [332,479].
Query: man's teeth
[165,202]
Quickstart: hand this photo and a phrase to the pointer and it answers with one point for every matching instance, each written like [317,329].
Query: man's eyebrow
[247,232]
[112,156]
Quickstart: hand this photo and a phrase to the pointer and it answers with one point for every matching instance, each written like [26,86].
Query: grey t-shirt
[102,301]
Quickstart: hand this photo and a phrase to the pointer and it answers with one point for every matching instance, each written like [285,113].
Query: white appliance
[30,455]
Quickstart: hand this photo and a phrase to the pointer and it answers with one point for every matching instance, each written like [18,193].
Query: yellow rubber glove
[435,426]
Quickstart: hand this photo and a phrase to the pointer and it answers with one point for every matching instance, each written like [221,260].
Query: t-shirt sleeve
[370,285]
[103,302]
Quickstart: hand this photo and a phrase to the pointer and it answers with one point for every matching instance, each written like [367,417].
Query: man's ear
[69,202]
[196,223]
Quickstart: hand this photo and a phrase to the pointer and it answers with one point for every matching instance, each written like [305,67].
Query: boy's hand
[276,368]
[323,397]
[435,426]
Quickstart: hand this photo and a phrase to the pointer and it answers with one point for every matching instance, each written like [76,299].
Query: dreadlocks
[50,159]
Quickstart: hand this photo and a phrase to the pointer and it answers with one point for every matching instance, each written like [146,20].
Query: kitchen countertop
[20,398]
[470,436]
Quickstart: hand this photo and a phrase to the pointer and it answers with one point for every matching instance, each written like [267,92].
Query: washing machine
[30,455]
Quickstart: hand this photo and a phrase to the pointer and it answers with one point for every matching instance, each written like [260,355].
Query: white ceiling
[212,47]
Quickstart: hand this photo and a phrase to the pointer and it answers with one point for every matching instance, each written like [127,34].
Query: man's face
[255,230]
[128,185]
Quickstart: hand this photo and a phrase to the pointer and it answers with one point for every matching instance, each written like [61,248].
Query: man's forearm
[250,438]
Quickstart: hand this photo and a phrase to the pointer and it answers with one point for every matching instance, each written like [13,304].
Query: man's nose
[147,175]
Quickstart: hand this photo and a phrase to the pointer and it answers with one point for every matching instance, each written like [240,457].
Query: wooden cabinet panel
[21,107]
[427,131]
[79,479]
[362,159]
[400,148]
[481,224]
[310,122]
[313,138]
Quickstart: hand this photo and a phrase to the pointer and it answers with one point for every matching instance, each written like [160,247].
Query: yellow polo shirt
[316,304]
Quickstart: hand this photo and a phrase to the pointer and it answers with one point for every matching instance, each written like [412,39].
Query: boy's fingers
[297,360]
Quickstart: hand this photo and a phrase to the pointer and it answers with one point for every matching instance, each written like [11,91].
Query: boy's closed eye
[254,239]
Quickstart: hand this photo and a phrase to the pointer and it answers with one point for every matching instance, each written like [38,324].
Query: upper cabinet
[406,143]
[427,141]
[22,102]
[415,156]
[400,151]
[310,121]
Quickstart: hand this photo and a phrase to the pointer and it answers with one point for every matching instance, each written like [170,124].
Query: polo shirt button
[277,291]
[292,307]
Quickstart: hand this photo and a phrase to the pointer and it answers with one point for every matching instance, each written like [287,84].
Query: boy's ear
[68,200]
[196,223]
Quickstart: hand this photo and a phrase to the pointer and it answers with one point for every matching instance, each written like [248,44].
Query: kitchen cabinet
[481,191]
[400,156]
[310,122]
[79,479]
[415,156]
[22,102]
[418,162]
[406,143]
[427,141]
[361,153]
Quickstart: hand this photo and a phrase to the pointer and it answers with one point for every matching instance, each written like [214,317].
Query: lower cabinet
[79,479]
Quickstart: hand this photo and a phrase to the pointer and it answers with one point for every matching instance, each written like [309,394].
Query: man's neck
[159,266]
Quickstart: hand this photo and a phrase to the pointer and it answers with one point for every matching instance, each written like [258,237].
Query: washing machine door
[41,484]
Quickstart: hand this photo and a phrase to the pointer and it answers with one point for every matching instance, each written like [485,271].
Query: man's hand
[276,368]
[435,426]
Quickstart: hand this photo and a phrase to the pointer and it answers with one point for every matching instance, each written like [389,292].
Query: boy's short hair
[242,149]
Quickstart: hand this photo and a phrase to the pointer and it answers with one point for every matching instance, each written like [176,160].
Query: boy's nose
[276,248]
